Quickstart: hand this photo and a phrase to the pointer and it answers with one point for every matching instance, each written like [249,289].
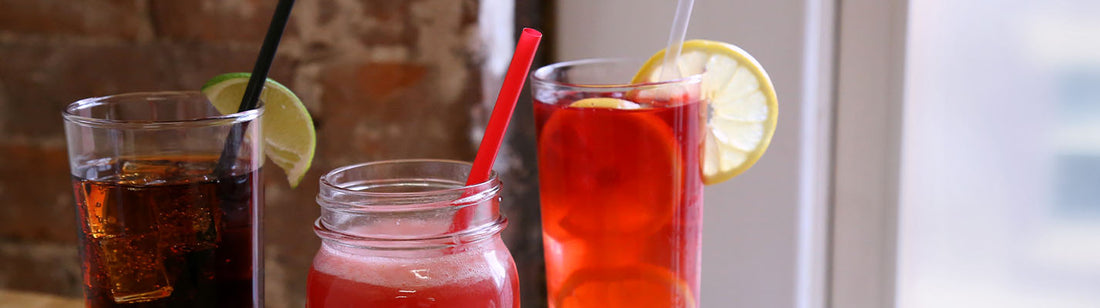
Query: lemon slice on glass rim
[743,108]
[289,136]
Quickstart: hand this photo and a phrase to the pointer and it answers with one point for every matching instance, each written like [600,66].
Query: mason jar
[410,233]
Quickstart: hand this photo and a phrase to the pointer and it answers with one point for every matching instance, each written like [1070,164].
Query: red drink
[622,196]
[480,277]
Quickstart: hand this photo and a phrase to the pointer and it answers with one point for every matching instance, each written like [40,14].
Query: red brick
[123,19]
[39,79]
[390,110]
[289,241]
[470,12]
[243,21]
[383,80]
[386,11]
[394,24]
[37,191]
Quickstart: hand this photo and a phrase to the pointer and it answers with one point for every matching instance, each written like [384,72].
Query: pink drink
[481,276]
[389,239]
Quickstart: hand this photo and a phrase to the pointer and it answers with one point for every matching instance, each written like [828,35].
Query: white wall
[750,240]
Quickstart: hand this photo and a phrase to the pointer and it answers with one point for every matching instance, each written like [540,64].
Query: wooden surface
[19,299]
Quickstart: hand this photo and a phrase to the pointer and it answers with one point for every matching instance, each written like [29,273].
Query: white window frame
[870,65]
[814,208]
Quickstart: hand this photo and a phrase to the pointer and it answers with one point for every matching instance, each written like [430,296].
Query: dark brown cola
[168,232]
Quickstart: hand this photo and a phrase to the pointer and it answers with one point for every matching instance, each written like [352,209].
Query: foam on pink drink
[462,269]
[477,275]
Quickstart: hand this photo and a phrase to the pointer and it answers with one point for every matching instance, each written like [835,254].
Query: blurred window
[1000,159]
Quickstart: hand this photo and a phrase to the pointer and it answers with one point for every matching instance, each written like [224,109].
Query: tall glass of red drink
[409,233]
[620,185]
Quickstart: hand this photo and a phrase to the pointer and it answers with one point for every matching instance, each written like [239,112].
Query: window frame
[869,96]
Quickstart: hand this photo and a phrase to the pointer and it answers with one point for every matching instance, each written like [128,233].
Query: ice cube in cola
[123,242]
[154,233]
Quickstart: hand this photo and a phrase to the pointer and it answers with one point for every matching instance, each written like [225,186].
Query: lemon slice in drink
[743,108]
[627,156]
[605,102]
[635,287]
[289,136]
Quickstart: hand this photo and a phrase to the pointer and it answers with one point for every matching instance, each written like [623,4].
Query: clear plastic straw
[669,70]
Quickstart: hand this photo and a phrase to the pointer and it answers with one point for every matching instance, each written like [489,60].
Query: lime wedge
[289,136]
[743,106]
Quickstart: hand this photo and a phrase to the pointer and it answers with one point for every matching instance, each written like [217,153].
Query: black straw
[255,83]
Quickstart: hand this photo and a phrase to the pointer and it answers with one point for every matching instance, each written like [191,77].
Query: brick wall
[383,79]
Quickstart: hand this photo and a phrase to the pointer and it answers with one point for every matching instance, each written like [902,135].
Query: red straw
[506,103]
[502,114]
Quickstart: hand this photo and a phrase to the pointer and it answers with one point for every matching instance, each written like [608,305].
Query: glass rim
[71,116]
[327,181]
[442,202]
[538,76]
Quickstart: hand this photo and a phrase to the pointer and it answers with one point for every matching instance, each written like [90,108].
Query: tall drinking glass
[409,233]
[162,224]
[620,184]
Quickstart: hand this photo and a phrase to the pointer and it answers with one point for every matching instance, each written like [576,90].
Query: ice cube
[193,168]
[147,172]
[135,268]
[159,166]
[111,212]
[96,168]
[188,217]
